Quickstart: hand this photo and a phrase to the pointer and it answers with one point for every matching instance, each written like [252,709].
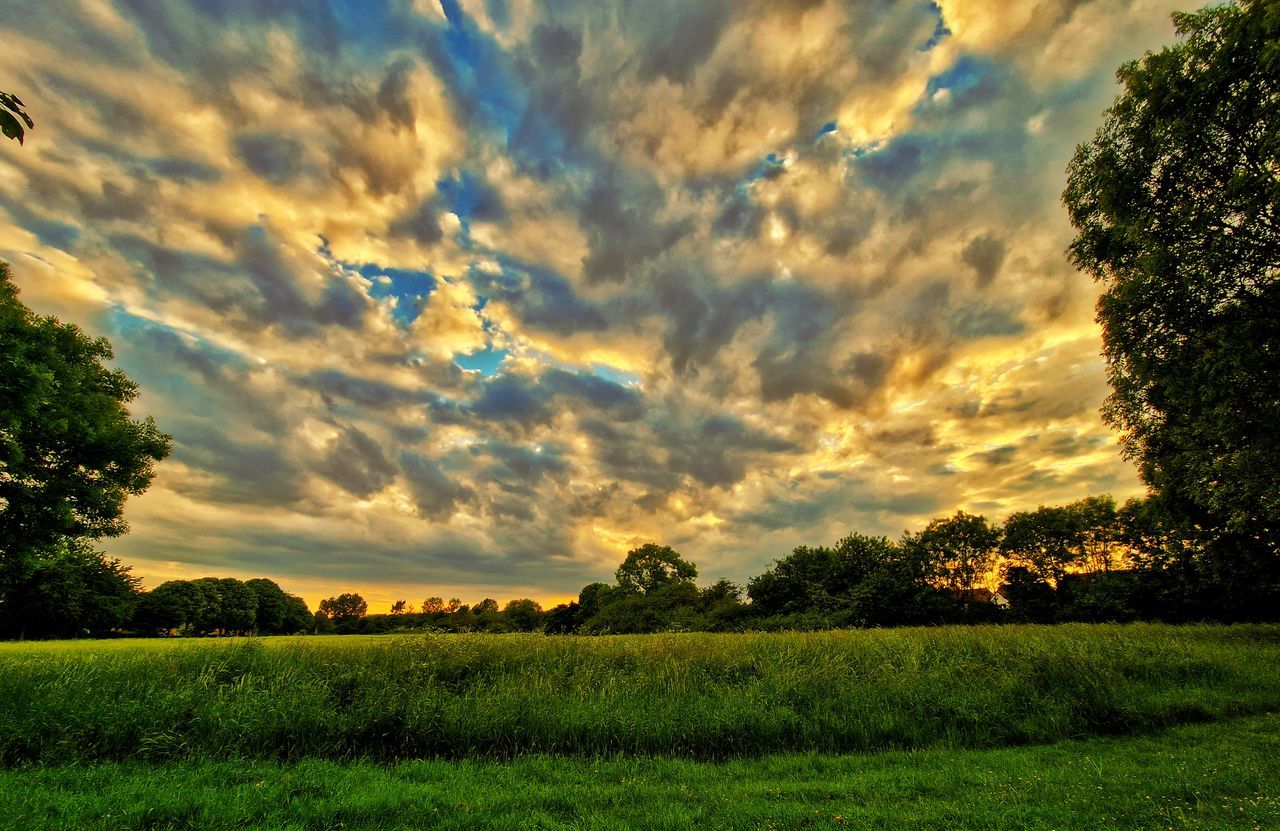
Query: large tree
[650,567]
[1176,202]
[69,451]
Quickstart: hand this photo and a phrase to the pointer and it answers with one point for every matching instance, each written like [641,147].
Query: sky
[468,298]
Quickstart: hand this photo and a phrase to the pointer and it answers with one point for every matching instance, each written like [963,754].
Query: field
[1038,727]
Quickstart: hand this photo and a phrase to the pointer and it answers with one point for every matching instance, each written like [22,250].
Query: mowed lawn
[1134,726]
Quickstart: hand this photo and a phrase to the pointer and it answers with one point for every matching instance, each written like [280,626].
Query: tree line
[1085,561]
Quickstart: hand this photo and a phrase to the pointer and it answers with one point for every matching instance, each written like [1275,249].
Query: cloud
[748,275]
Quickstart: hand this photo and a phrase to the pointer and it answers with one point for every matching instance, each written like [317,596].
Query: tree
[71,590]
[13,117]
[487,606]
[523,615]
[1176,202]
[962,547]
[400,607]
[170,606]
[345,608]
[297,617]
[649,567]
[1043,542]
[433,606]
[69,452]
[272,604]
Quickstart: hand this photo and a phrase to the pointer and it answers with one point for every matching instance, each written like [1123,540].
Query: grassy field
[1067,727]
[690,695]
[1220,776]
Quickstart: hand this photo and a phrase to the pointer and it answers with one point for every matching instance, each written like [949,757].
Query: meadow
[1073,726]
[700,696]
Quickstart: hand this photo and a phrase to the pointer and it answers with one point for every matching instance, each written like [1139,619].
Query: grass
[696,696]
[1219,776]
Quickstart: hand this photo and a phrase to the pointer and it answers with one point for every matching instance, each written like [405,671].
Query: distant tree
[651,566]
[796,583]
[1176,210]
[400,607]
[453,606]
[320,623]
[69,452]
[271,605]
[237,606]
[345,608]
[297,617]
[523,615]
[963,547]
[1098,532]
[487,606]
[14,121]
[1031,598]
[170,606]
[433,606]
[563,619]
[1045,541]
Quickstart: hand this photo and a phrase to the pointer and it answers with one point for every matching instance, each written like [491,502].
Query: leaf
[10,127]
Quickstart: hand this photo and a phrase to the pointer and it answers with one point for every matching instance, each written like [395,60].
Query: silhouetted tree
[269,613]
[1174,201]
[523,615]
[344,609]
[962,547]
[650,567]
[69,452]
[71,590]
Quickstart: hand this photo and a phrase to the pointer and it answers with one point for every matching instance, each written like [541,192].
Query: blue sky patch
[406,287]
[487,361]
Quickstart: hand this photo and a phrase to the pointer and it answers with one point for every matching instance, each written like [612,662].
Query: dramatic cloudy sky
[469,297]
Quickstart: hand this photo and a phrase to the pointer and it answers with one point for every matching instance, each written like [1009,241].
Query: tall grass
[697,695]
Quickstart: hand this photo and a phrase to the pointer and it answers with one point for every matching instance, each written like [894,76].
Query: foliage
[650,567]
[523,615]
[1044,542]
[345,608]
[68,590]
[14,121]
[962,548]
[269,610]
[69,452]
[1175,203]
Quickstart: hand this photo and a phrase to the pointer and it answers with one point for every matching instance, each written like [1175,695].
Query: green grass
[1220,776]
[694,695]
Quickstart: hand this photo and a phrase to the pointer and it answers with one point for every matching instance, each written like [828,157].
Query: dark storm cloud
[856,503]
[355,463]
[985,254]
[677,36]
[543,299]
[622,403]
[367,392]
[522,463]
[275,158]
[436,494]
[244,470]
[619,215]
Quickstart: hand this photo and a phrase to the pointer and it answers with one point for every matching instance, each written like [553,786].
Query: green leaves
[1176,203]
[13,117]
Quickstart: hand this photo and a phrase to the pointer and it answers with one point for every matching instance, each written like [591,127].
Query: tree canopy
[649,567]
[1175,202]
[69,451]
